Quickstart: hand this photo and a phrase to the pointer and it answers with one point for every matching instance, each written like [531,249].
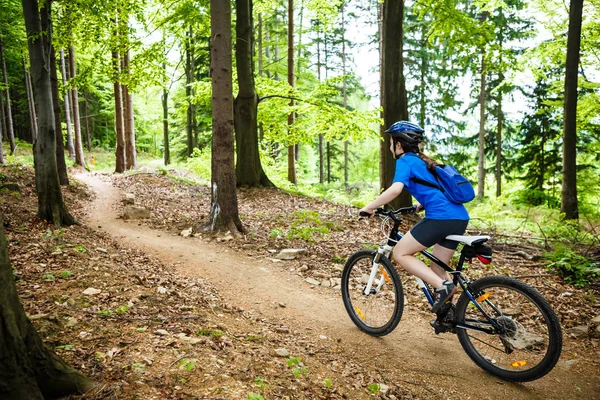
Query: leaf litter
[147,331]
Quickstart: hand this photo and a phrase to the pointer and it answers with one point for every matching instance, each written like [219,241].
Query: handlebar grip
[364,214]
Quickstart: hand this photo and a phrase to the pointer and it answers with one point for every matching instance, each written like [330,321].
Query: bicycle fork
[383,251]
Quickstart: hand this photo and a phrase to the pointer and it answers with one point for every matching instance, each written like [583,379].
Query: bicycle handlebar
[392,213]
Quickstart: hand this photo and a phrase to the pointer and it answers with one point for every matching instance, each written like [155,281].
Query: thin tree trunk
[500,121]
[119,124]
[193,104]
[165,104]
[2,161]
[130,154]
[344,90]
[328,162]
[31,106]
[88,133]
[291,147]
[499,148]
[423,73]
[10,133]
[67,103]
[321,149]
[189,77]
[569,203]
[79,158]
[224,206]
[481,154]
[60,145]
[261,131]
[2,118]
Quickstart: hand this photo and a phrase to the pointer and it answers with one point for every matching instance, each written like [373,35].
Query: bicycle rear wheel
[524,341]
[378,312]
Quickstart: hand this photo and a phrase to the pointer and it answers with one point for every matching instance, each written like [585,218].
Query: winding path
[412,353]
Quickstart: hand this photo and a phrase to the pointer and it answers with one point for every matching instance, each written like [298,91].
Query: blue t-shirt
[436,204]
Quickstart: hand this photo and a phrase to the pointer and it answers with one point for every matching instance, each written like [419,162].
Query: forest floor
[151,314]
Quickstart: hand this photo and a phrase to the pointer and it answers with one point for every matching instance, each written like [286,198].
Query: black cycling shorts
[433,231]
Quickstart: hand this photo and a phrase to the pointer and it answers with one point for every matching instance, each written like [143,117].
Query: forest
[208,111]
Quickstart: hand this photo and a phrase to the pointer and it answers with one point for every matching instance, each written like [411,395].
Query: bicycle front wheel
[515,335]
[379,311]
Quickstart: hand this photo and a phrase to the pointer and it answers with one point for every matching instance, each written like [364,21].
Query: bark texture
[224,206]
[51,206]
[248,169]
[569,203]
[393,91]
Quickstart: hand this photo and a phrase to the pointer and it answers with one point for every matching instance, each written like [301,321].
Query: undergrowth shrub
[572,266]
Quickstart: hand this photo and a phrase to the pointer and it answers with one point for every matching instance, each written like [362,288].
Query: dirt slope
[412,354]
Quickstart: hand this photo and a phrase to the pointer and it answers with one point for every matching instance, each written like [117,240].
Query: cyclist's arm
[390,194]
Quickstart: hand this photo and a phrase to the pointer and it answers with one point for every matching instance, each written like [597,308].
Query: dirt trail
[411,354]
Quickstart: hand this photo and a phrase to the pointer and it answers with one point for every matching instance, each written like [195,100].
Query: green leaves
[317,114]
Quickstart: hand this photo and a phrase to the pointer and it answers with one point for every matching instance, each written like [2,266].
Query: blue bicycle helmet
[406,131]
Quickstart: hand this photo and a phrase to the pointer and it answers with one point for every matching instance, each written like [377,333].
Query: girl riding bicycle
[442,217]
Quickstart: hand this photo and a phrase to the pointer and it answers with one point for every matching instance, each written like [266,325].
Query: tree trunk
[67,103]
[291,147]
[2,118]
[224,206]
[88,132]
[79,158]
[481,158]
[344,91]
[499,146]
[248,169]
[165,104]
[321,149]
[193,111]
[500,120]
[119,124]
[10,133]
[30,105]
[2,161]
[393,96]
[51,206]
[569,204]
[189,78]
[61,165]
[130,154]
[423,74]
[28,369]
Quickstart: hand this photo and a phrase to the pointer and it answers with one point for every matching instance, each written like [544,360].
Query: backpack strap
[427,183]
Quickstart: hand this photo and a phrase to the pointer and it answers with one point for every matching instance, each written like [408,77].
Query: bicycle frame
[386,250]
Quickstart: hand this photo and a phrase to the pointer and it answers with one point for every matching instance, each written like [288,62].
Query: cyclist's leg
[404,256]
[444,254]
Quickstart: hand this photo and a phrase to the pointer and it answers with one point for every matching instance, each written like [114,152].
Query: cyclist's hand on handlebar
[419,207]
[365,212]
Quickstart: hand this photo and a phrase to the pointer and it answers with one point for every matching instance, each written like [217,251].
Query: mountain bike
[504,325]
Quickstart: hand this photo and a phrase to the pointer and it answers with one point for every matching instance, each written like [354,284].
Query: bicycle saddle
[469,240]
